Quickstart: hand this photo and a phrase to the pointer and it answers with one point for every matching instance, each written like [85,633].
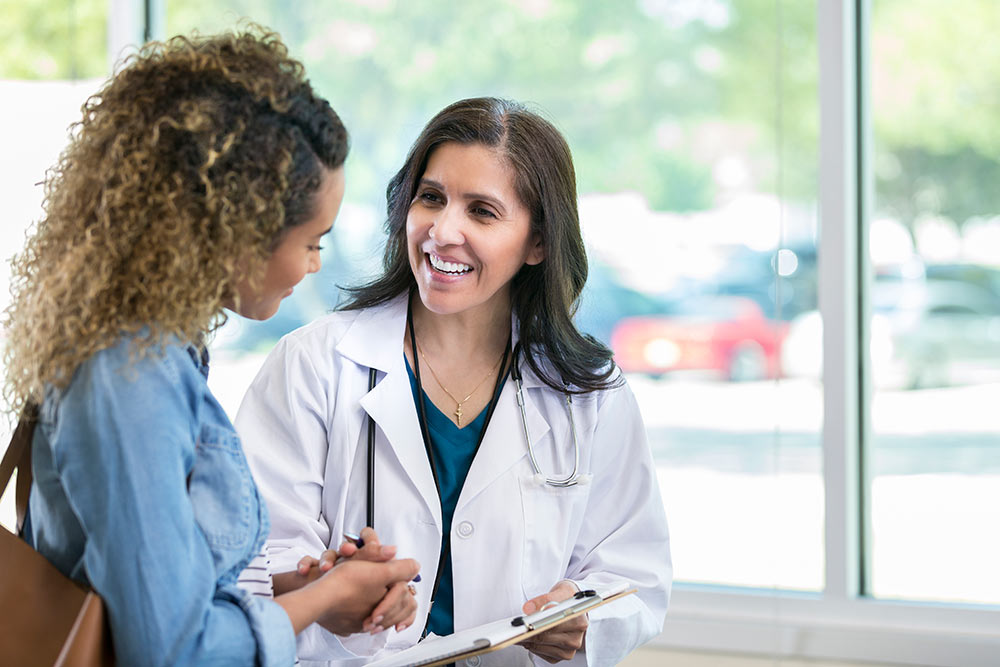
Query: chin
[260,312]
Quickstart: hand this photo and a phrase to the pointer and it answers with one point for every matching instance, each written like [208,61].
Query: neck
[467,335]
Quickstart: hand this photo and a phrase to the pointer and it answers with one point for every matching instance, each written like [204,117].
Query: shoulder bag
[45,618]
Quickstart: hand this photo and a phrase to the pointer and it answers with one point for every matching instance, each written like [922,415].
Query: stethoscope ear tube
[574,477]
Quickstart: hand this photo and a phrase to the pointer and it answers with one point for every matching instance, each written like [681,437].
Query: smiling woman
[484,266]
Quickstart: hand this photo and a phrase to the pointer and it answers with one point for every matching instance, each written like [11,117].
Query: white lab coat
[304,428]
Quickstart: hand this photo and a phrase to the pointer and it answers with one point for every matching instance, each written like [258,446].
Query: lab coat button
[465,529]
[474,661]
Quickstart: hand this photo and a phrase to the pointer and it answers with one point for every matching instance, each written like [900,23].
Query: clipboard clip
[580,601]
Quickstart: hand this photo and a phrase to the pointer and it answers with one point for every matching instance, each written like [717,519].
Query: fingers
[397,609]
[305,564]
[563,590]
[554,646]
[403,570]
[371,548]
[327,560]
[369,536]
[347,549]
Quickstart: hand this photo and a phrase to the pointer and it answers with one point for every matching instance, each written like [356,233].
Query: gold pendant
[458,414]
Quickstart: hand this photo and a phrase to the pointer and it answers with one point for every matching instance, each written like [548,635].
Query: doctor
[511,509]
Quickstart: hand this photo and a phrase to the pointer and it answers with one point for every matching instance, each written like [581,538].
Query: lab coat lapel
[390,404]
[375,340]
[504,443]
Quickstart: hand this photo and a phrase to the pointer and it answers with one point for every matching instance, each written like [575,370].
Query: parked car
[782,282]
[726,336]
[924,333]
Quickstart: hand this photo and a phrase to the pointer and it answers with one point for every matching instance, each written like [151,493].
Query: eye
[430,197]
[314,248]
[483,212]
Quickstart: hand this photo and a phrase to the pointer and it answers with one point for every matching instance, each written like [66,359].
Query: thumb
[402,570]
[536,603]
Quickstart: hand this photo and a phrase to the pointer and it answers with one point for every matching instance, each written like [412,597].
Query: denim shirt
[141,491]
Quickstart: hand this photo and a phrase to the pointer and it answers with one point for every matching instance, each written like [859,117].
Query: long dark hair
[544,296]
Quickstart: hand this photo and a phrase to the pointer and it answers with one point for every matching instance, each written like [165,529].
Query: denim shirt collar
[200,359]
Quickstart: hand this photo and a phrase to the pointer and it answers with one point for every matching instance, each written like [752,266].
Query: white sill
[809,627]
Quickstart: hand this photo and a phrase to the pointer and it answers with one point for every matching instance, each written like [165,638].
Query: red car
[728,336]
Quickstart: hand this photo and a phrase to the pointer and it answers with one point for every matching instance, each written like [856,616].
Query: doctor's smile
[452,268]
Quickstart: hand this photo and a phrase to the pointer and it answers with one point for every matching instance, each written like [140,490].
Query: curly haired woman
[201,178]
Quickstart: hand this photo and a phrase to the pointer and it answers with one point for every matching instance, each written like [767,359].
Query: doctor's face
[467,232]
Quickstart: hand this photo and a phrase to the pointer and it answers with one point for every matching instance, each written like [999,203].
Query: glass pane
[696,156]
[935,248]
[50,54]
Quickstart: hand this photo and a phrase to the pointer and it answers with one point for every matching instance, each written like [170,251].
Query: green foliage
[57,39]
[936,101]
[606,74]
[653,95]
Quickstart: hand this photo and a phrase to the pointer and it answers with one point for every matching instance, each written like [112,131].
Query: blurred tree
[936,101]
[56,39]
[610,76]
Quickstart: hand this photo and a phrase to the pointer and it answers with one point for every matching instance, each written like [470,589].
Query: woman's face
[296,255]
[467,232]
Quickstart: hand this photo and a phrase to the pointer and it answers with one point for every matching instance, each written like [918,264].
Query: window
[790,214]
[934,461]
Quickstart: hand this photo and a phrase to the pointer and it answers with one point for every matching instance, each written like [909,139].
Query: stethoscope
[515,373]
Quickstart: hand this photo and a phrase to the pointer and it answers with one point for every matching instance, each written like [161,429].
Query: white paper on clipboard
[497,634]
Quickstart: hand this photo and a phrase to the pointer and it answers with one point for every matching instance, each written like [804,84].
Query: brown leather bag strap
[18,455]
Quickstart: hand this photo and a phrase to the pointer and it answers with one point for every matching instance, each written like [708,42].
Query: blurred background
[695,129]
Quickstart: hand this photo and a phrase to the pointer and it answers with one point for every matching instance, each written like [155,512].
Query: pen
[356,540]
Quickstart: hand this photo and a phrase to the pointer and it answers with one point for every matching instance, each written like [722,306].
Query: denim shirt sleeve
[124,446]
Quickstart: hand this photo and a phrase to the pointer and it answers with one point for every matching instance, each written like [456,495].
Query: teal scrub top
[454,449]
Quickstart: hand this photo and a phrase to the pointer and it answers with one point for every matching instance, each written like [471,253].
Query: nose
[447,226]
[315,263]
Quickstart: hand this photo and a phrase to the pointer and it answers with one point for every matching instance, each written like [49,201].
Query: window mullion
[838,289]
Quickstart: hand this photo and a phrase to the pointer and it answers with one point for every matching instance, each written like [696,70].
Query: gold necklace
[458,403]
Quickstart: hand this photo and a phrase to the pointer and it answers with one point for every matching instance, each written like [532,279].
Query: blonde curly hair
[180,179]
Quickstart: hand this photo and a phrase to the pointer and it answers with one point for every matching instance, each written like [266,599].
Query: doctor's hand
[367,596]
[563,641]
[372,550]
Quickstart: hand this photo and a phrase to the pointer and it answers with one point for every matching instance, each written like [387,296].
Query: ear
[536,251]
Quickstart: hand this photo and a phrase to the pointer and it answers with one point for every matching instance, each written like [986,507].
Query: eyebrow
[325,231]
[489,199]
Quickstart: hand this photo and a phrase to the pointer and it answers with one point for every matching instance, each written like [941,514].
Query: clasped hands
[398,607]
[366,609]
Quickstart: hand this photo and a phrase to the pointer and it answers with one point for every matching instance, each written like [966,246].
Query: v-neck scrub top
[454,449]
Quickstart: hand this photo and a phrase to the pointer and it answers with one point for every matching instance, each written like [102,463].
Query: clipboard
[501,633]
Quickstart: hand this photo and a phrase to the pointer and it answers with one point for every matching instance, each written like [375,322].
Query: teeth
[448,267]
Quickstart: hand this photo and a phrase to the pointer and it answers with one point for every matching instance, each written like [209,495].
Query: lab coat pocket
[552,518]
[221,493]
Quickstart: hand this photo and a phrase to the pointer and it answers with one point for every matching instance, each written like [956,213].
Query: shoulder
[124,388]
[128,366]
[616,389]
[323,332]
[368,337]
